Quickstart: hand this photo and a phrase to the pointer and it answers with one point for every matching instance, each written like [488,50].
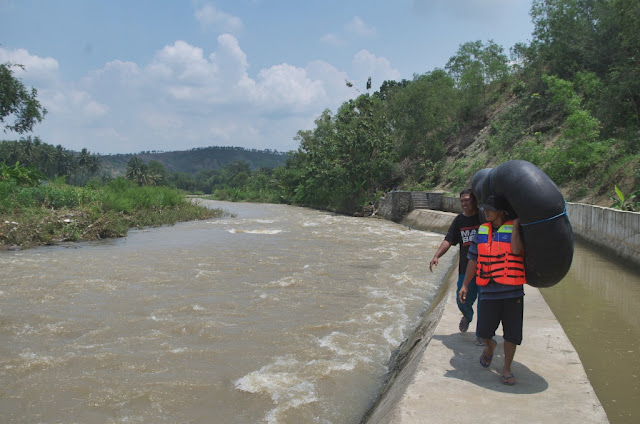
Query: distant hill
[196,160]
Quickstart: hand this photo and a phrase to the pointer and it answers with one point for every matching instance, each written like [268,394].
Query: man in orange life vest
[496,258]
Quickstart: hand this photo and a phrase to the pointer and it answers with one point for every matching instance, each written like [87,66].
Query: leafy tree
[422,115]
[17,104]
[21,174]
[564,35]
[340,162]
[159,172]
[184,181]
[600,37]
[474,67]
[579,149]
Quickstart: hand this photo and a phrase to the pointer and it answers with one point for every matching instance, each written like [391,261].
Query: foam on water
[268,232]
[208,319]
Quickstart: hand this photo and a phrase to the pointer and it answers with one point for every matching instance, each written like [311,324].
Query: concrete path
[449,385]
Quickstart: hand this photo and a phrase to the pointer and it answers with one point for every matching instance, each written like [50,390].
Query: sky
[125,76]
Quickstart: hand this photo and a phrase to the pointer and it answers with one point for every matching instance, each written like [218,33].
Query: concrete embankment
[437,377]
[610,229]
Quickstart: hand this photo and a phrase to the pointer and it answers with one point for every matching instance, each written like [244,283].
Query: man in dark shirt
[462,230]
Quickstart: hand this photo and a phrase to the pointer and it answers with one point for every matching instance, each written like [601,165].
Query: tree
[594,36]
[17,102]
[474,67]
[157,169]
[422,115]
[565,32]
[339,163]
[137,170]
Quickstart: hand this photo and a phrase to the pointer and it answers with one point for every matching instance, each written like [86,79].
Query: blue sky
[123,76]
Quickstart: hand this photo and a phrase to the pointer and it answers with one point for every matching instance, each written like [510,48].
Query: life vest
[496,260]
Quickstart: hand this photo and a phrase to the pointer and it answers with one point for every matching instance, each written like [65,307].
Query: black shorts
[508,311]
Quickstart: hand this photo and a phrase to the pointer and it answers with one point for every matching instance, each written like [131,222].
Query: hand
[433,262]
[462,294]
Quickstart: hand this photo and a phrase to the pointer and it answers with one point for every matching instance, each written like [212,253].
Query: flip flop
[508,380]
[485,360]
[464,325]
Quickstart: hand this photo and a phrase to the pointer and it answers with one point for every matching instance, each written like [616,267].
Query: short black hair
[470,192]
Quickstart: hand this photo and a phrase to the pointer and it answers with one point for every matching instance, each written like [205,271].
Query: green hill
[196,160]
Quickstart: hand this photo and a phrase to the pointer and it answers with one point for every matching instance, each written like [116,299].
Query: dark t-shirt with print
[462,230]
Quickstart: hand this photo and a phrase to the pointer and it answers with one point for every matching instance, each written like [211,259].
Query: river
[277,315]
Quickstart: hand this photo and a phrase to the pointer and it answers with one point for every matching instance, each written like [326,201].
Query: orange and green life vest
[496,261]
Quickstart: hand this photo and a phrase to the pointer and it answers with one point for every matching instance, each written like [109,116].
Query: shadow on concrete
[466,366]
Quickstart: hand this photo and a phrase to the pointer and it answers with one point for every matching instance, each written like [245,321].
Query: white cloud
[358,27]
[366,64]
[333,80]
[185,97]
[285,85]
[333,40]
[210,17]
[36,69]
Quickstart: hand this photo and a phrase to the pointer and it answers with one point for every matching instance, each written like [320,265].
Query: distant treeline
[195,170]
[198,159]
[196,149]
[51,161]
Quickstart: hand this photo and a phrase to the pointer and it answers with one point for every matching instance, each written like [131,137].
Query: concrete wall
[428,220]
[451,204]
[615,231]
[395,205]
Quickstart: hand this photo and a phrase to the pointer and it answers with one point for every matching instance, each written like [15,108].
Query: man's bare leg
[509,353]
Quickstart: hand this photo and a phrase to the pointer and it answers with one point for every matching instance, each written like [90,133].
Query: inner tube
[537,201]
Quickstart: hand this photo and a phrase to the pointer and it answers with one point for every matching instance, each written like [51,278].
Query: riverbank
[444,381]
[56,213]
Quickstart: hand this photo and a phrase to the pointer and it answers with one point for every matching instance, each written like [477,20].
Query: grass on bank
[55,212]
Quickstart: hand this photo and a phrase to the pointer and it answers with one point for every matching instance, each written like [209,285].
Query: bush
[124,196]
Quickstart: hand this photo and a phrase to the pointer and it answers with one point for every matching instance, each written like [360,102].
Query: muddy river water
[277,315]
[598,306]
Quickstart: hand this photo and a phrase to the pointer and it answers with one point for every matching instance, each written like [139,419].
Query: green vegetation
[630,202]
[569,102]
[17,102]
[33,213]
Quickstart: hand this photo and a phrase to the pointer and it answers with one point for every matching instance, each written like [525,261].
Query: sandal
[508,380]
[464,325]
[485,360]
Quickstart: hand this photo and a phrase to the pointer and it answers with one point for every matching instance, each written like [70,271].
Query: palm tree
[94,164]
[29,154]
[136,170]
[64,161]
